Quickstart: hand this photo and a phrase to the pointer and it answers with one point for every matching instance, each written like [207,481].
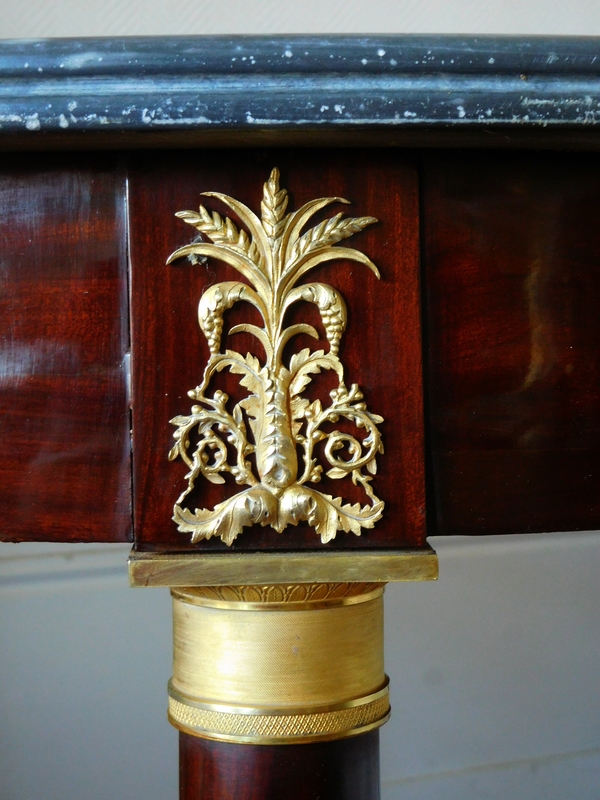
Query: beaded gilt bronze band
[278,664]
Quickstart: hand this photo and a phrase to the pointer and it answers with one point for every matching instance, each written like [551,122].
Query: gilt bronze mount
[274,422]
[278,664]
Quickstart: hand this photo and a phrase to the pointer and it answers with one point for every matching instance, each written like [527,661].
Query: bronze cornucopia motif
[272,255]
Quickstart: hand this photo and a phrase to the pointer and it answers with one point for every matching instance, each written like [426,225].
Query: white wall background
[166,17]
[495,669]
[495,675]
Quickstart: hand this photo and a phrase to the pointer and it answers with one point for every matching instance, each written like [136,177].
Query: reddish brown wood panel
[347,769]
[64,446]
[512,253]
[381,348]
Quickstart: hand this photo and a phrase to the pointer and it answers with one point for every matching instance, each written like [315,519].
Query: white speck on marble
[288,54]
[32,123]
[63,121]
[72,105]
[461,112]
[381,52]
[182,121]
[10,118]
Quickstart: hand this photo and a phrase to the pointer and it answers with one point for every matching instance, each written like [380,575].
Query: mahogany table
[357,279]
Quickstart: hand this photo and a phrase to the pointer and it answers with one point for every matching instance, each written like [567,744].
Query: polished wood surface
[381,348]
[511,248]
[64,442]
[347,769]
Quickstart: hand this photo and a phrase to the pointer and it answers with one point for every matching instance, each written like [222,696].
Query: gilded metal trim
[321,708]
[294,597]
[222,569]
[267,428]
[275,658]
[278,672]
[279,726]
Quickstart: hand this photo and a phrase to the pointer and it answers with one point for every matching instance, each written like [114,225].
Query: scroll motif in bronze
[274,430]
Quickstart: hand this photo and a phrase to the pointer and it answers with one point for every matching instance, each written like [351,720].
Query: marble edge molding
[244,84]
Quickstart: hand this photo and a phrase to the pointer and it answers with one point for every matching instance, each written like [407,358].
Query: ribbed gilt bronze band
[278,664]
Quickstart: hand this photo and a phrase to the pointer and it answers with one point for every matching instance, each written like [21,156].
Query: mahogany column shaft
[346,769]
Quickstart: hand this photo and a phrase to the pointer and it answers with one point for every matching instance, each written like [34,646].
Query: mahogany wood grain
[511,249]
[381,348]
[347,769]
[511,245]
[64,442]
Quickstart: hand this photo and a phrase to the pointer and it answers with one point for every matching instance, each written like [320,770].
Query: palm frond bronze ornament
[275,456]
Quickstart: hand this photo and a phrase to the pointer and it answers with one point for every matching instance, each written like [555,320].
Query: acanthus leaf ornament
[272,255]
